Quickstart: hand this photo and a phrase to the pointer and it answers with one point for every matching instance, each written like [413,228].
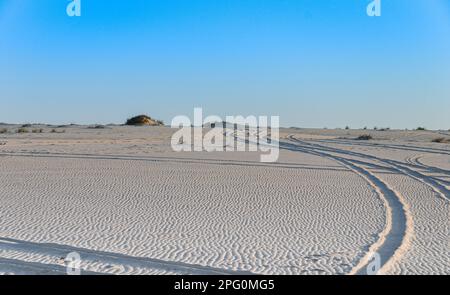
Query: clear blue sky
[316,63]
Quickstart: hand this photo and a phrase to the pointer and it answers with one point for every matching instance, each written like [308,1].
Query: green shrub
[441,140]
[97,127]
[22,130]
[364,137]
[143,120]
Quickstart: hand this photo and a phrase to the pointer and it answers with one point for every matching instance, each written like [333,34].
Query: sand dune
[129,205]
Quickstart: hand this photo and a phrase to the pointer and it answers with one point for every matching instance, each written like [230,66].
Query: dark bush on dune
[364,137]
[441,140]
[22,130]
[97,127]
[143,120]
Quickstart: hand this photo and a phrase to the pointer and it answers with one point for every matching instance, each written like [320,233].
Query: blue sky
[316,63]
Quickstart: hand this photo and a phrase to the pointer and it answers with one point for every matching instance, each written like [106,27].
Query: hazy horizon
[315,64]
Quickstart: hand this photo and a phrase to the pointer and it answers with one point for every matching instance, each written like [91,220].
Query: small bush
[143,120]
[364,137]
[97,127]
[56,131]
[26,125]
[421,129]
[441,140]
[40,130]
[347,127]
[3,131]
[22,130]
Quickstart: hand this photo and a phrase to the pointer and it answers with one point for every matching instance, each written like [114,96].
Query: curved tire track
[395,239]
[399,167]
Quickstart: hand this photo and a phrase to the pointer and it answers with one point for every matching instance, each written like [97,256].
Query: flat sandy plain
[128,204]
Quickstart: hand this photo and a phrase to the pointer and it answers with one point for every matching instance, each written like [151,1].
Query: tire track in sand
[101,260]
[402,168]
[395,239]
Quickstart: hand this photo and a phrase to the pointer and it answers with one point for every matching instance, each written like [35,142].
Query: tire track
[389,146]
[395,239]
[440,190]
[101,259]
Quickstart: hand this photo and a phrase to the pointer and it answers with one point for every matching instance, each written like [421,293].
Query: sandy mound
[143,120]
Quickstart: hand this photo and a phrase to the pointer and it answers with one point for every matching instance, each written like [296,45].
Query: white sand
[129,205]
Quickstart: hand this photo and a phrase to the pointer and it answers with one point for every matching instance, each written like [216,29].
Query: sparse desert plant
[56,131]
[22,130]
[364,137]
[365,128]
[441,140]
[347,127]
[40,130]
[3,131]
[375,128]
[97,127]
[421,129]
[26,125]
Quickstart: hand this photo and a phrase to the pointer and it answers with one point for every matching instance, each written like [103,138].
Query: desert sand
[128,204]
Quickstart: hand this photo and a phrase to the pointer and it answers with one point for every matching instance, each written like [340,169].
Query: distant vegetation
[22,130]
[441,140]
[364,137]
[40,130]
[3,131]
[97,127]
[421,129]
[143,120]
